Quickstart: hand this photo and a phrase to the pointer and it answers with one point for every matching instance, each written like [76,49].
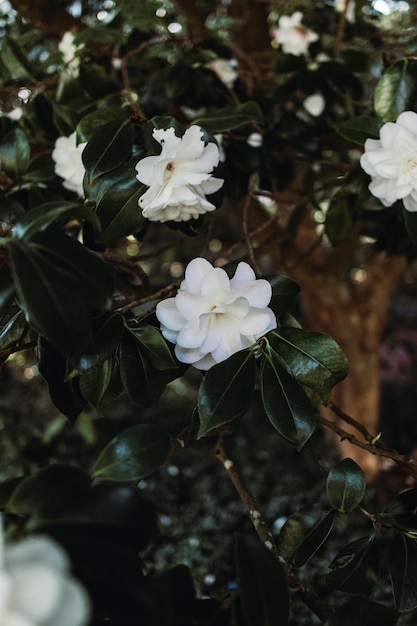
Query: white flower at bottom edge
[179,177]
[36,588]
[293,36]
[69,164]
[391,161]
[212,316]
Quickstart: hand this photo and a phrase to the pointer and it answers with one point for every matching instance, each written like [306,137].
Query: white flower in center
[68,163]
[69,51]
[36,588]
[391,161]
[212,316]
[179,177]
[293,36]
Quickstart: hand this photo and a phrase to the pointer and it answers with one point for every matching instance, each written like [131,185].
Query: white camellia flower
[212,316]
[339,5]
[68,163]
[314,104]
[36,588]
[391,161]
[293,36]
[179,177]
[69,51]
[224,70]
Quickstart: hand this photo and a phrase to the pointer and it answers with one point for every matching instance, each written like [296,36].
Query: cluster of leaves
[61,295]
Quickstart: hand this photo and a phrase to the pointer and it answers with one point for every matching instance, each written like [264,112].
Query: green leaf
[401,511]
[65,118]
[108,148]
[143,383]
[226,391]
[133,454]
[40,169]
[125,217]
[58,281]
[14,153]
[360,128]
[153,344]
[6,287]
[345,486]
[95,382]
[284,293]
[286,403]
[355,569]
[12,326]
[15,60]
[262,584]
[315,360]
[229,118]
[340,219]
[396,90]
[402,563]
[43,216]
[304,533]
[65,394]
[91,123]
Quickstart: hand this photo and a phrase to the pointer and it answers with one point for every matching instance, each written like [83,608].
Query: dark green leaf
[12,326]
[15,60]
[108,148]
[402,563]
[6,286]
[43,216]
[40,169]
[396,90]
[90,123]
[226,391]
[345,486]
[286,403]
[364,613]
[14,153]
[355,568]
[133,454]
[65,118]
[340,219]
[262,584]
[401,512]
[315,360]
[360,128]
[284,293]
[143,383]
[95,382]
[231,117]
[65,394]
[108,330]
[304,533]
[153,345]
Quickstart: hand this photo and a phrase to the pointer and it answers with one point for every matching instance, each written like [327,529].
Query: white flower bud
[314,104]
[255,140]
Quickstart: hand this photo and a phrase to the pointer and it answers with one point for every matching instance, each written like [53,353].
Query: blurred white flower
[314,104]
[339,5]
[391,161]
[69,51]
[224,70]
[293,36]
[14,114]
[255,140]
[68,163]
[179,177]
[212,316]
[36,588]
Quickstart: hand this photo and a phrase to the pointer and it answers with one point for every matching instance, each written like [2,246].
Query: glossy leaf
[90,123]
[315,360]
[15,60]
[43,216]
[360,128]
[133,454]
[304,533]
[12,326]
[284,293]
[15,153]
[231,117]
[143,383]
[401,511]
[153,345]
[41,168]
[286,403]
[355,569]
[225,392]
[108,148]
[345,486]
[262,584]
[402,563]
[396,90]
[108,331]
[6,286]
[95,382]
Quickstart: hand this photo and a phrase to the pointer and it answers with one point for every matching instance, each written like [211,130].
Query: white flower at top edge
[179,177]
[36,588]
[391,161]
[212,316]
[339,5]
[68,163]
[293,36]
[69,51]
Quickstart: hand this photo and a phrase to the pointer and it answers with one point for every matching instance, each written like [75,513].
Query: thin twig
[303,591]
[25,346]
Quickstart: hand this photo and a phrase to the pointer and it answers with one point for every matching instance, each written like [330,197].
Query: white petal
[195,273]
[192,144]
[408,120]
[167,138]
[211,185]
[168,314]
[35,550]
[216,283]
[243,274]
[36,592]
[258,293]
[258,322]
[74,606]
[192,335]
[230,339]
[410,203]
[145,168]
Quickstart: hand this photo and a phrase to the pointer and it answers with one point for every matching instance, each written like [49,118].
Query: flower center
[170,166]
[410,163]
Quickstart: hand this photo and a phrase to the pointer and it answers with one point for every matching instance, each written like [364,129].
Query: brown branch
[25,346]
[49,17]
[130,265]
[303,591]
[157,295]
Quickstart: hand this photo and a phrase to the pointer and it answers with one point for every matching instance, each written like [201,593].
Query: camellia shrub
[175,178]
